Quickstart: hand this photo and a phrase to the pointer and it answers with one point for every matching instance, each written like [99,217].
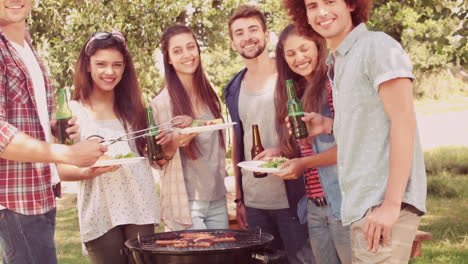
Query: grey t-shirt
[259,108]
[204,177]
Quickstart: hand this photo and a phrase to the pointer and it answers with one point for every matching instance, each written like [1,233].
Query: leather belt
[319,201]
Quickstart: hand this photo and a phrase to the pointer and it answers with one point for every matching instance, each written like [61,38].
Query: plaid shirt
[25,187]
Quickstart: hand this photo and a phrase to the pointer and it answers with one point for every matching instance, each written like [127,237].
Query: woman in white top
[193,194]
[122,201]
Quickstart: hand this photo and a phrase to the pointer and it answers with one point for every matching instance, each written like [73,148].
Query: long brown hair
[128,102]
[298,12]
[310,93]
[181,104]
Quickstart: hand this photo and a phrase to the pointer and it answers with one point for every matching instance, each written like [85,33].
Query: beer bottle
[155,150]
[257,148]
[295,112]
[63,114]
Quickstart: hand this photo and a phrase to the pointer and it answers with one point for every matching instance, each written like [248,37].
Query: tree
[432,31]
[60,29]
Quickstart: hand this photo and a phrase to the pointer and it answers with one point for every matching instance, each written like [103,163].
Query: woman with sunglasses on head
[302,59]
[193,194]
[115,203]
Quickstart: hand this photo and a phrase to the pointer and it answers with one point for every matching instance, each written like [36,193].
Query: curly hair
[298,12]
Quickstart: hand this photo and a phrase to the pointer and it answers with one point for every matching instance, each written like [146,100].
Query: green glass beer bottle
[155,150]
[295,112]
[63,115]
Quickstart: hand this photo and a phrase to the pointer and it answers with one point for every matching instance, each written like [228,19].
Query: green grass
[447,205]
[67,234]
[428,106]
[447,220]
[449,160]
[447,217]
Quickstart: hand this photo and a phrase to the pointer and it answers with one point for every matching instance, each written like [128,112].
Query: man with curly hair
[380,162]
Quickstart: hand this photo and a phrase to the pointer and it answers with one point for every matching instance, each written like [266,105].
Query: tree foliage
[432,31]
[60,29]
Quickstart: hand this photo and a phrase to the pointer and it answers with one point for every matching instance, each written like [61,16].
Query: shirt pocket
[16,83]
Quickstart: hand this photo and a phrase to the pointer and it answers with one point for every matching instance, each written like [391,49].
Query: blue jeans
[27,239]
[207,215]
[290,235]
[329,239]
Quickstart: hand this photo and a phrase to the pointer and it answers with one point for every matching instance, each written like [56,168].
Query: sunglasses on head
[102,35]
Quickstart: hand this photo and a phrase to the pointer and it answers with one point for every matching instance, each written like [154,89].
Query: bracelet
[238,200]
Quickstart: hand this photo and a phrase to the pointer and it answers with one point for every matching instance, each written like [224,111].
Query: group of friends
[356,89]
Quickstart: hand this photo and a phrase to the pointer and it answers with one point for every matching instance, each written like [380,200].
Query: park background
[433,32]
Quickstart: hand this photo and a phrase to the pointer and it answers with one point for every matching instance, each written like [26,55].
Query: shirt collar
[350,39]
[330,59]
[27,36]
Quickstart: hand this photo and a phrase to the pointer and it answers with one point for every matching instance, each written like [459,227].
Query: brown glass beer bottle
[257,148]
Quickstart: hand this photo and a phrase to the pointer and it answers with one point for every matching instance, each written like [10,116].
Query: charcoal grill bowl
[239,252]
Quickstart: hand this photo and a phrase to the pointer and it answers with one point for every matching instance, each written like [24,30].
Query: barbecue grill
[244,250]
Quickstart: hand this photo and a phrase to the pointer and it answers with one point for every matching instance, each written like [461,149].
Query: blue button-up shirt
[328,174]
[363,61]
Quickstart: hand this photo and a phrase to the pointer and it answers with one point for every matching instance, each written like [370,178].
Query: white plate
[199,129]
[254,166]
[112,162]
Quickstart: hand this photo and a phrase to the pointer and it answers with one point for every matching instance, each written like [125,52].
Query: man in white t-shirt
[268,203]
[27,203]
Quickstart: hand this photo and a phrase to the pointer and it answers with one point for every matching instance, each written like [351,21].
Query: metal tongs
[168,126]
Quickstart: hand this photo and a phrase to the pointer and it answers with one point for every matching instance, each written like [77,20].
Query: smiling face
[330,18]
[248,37]
[183,53]
[14,11]
[106,68]
[301,54]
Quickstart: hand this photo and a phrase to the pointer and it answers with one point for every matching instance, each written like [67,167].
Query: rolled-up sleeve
[389,60]
[7,131]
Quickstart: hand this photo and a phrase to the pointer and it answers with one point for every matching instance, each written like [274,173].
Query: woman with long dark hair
[122,201]
[193,191]
[302,59]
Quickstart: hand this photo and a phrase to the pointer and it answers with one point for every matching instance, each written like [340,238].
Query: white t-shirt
[259,108]
[35,72]
[125,196]
[37,77]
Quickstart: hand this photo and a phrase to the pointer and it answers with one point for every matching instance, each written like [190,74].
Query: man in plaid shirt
[27,160]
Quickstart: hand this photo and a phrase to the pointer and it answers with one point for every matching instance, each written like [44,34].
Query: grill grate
[244,239]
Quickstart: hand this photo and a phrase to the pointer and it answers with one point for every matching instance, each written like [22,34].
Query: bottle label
[296,113]
[152,132]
